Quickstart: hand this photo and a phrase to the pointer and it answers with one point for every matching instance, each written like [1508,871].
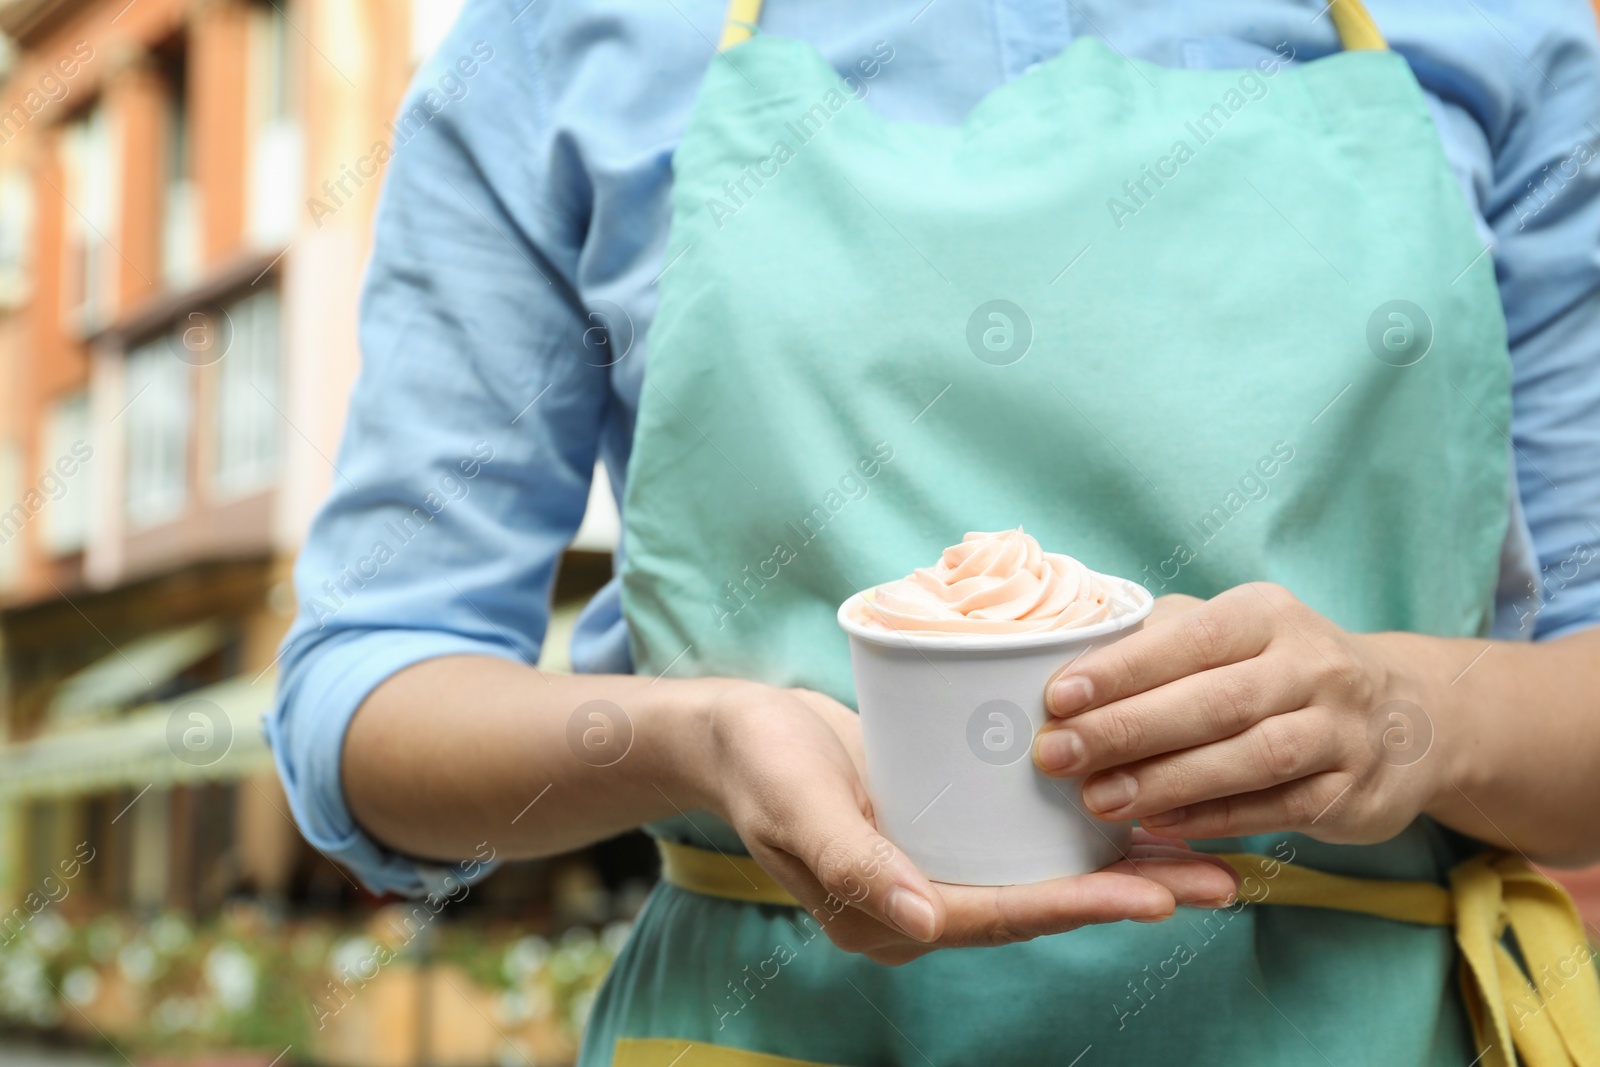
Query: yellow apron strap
[717,874]
[1357,31]
[1286,884]
[739,25]
[674,1052]
[1549,1012]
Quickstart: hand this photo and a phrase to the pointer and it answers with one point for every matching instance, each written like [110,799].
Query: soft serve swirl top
[994,583]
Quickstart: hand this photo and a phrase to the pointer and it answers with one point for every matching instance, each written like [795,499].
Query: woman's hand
[789,777]
[1245,714]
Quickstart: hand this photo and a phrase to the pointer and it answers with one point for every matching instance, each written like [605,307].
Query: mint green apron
[1150,315]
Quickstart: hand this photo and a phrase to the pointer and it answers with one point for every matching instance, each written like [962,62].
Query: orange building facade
[177,343]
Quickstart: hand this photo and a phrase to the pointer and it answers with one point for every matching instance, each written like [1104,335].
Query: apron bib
[1194,328]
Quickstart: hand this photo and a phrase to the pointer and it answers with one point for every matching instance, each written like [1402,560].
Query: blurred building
[177,342]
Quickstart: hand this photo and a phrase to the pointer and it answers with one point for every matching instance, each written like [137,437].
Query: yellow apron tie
[740,23]
[720,874]
[676,1052]
[1550,1014]
[1423,903]
[1357,31]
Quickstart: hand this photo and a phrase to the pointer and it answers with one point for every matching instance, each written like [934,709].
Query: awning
[209,734]
[126,676]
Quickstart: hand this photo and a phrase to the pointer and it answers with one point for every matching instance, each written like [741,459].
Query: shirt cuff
[306,730]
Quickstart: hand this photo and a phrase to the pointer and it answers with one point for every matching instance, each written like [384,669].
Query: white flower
[615,935]
[176,1013]
[25,992]
[170,935]
[525,958]
[515,1007]
[81,986]
[512,1054]
[49,933]
[355,957]
[138,962]
[231,974]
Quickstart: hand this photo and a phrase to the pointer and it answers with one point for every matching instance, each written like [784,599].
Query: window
[158,415]
[247,395]
[275,154]
[67,451]
[180,220]
[90,175]
[16,230]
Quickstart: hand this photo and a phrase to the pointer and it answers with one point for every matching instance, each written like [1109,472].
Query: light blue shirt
[529,182]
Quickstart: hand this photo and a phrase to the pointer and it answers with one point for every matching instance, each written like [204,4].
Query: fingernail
[910,913]
[1071,694]
[1110,791]
[1060,751]
[1222,903]
[1163,818]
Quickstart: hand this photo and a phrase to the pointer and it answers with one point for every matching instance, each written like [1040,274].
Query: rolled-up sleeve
[1544,206]
[472,430]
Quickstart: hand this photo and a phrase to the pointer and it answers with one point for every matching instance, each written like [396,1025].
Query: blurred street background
[186,196]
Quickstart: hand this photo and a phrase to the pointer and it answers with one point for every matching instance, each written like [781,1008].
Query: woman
[1212,299]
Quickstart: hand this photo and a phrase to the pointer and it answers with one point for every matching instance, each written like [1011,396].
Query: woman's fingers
[1228,628]
[1307,805]
[1145,886]
[1195,880]
[1279,749]
[850,927]
[1194,710]
[1001,915]
[830,857]
[1192,877]
[1142,837]
[794,792]
[850,894]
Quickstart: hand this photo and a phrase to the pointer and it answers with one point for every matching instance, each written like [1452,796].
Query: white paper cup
[948,722]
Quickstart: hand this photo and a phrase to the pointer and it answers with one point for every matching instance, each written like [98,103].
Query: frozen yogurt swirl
[994,583]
